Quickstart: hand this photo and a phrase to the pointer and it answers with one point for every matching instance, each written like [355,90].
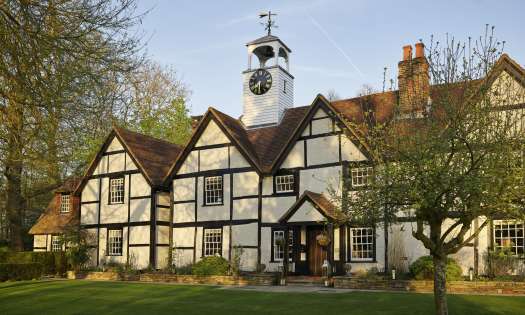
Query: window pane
[64,203]
[278,249]
[508,234]
[56,243]
[115,242]
[213,190]
[116,190]
[362,243]
[361,176]
[212,242]
[284,183]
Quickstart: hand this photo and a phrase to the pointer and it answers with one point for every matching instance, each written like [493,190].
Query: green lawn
[90,297]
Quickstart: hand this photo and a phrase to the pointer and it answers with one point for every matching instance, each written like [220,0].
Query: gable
[114,159]
[212,135]
[307,213]
[507,90]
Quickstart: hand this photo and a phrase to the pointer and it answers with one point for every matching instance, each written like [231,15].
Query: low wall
[467,287]
[255,279]
[262,279]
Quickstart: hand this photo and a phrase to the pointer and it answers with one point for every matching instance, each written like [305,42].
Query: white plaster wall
[190,164]
[236,158]
[213,159]
[130,165]
[89,213]
[226,241]
[507,91]
[184,189]
[184,212]
[320,179]
[163,214]
[116,162]
[139,235]
[140,210]
[102,245]
[163,234]
[337,245]
[211,213]
[139,257]
[90,191]
[244,234]
[320,126]
[413,248]
[249,259]
[101,167]
[183,236]
[307,213]
[274,207]
[163,198]
[91,236]
[139,186]
[198,243]
[115,145]
[162,257]
[245,209]
[349,152]
[267,185]
[212,135]
[39,240]
[116,259]
[266,247]
[295,157]
[114,213]
[320,113]
[245,184]
[322,150]
[182,257]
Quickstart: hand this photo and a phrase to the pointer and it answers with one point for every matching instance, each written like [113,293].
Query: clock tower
[267,83]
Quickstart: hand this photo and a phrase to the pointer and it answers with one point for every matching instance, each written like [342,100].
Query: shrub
[211,266]
[52,262]
[423,269]
[501,262]
[370,274]
[4,253]
[77,256]
[22,271]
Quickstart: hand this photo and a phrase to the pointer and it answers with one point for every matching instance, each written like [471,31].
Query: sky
[336,45]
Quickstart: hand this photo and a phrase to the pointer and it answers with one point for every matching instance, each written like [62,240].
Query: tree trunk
[13,174]
[440,282]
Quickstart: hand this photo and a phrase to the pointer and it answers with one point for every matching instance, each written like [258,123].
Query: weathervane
[270,23]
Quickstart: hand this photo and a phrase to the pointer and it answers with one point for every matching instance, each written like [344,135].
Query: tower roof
[267,39]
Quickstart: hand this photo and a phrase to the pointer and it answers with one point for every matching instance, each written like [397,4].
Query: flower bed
[467,287]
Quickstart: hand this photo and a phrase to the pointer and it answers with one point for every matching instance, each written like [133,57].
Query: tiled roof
[319,201]
[153,155]
[54,222]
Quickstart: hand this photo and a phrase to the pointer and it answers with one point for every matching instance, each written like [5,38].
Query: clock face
[260,82]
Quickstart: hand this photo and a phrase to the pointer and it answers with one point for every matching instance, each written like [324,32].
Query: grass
[91,297]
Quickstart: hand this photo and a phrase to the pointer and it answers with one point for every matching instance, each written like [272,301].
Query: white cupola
[267,83]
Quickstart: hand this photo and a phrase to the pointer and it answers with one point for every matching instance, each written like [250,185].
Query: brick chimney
[413,80]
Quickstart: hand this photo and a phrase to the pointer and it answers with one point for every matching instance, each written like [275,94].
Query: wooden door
[316,253]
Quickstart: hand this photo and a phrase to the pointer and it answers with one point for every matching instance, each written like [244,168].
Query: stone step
[306,281]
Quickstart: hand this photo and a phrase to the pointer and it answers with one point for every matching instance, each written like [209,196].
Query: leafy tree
[449,165]
[58,60]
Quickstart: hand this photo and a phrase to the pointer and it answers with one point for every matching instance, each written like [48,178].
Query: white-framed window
[284,183]
[278,248]
[361,176]
[116,190]
[56,243]
[509,234]
[212,242]
[362,244]
[65,203]
[115,242]
[213,190]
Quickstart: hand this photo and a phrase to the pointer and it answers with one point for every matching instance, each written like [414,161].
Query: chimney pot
[407,52]
[420,50]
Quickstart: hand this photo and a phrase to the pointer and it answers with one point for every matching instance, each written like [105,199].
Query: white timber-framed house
[254,181]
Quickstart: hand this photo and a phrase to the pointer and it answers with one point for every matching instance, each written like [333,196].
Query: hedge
[52,262]
[23,271]
[423,269]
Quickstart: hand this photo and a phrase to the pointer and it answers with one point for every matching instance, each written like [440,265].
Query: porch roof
[324,207]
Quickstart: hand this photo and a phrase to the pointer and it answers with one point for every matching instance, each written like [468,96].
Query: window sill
[114,255]
[115,203]
[373,261]
[213,205]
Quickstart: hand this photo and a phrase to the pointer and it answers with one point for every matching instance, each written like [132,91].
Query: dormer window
[65,203]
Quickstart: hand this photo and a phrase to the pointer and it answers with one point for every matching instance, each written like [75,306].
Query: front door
[316,253]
